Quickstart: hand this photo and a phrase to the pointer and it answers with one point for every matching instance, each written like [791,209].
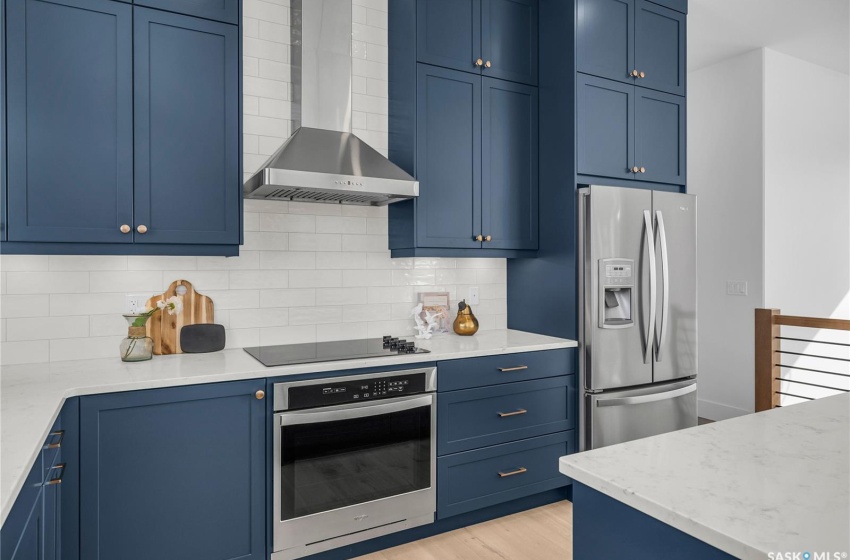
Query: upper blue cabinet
[632,41]
[122,128]
[219,10]
[495,38]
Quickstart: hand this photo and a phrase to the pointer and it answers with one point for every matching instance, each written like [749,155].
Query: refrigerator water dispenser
[616,285]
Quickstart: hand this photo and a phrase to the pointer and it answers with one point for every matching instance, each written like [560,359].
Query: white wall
[725,172]
[306,272]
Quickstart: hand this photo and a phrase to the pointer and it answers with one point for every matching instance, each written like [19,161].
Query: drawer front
[484,416]
[504,368]
[219,10]
[15,541]
[501,473]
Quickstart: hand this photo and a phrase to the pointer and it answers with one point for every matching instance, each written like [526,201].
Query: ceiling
[817,31]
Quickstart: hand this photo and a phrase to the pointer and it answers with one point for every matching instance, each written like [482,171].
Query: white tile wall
[307,272]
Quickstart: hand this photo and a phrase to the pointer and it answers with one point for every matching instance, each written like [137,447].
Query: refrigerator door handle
[643,399]
[665,287]
[649,240]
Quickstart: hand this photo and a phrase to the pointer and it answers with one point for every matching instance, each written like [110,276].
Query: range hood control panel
[616,291]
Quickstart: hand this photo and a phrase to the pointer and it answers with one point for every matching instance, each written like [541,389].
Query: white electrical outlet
[736,288]
[472,297]
[135,303]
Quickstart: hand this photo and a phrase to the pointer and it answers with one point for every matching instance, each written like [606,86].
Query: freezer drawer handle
[514,413]
[511,473]
[516,368]
[647,398]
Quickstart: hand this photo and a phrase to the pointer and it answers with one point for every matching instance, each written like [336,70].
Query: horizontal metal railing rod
[814,355]
[793,395]
[845,344]
[813,384]
[815,370]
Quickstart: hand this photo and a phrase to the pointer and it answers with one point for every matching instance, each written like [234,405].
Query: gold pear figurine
[465,324]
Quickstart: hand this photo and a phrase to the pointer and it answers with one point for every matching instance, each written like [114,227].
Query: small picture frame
[436,303]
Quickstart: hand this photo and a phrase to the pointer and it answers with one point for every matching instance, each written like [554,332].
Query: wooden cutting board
[164,329]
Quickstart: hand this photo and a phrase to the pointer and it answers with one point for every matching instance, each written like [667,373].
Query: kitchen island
[758,486]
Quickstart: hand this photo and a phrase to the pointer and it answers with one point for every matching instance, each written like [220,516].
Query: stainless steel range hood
[323,161]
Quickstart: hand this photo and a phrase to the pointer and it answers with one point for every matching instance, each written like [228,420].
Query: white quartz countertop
[776,481]
[31,396]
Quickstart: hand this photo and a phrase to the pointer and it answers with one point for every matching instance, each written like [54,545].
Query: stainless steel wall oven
[354,458]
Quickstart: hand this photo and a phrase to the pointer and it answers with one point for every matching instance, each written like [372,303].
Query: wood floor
[544,533]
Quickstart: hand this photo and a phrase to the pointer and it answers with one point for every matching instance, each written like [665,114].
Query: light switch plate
[736,288]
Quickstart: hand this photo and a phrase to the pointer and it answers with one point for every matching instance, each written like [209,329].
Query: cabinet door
[448,33]
[604,127]
[70,139]
[509,165]
[604,40]
[52,522]
[660,136]
[509,39]
[220,10]
[660,47]
[175,473]
[448,158]
[188,188]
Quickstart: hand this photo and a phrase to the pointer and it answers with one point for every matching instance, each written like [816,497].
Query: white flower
[175,305]
[161,304]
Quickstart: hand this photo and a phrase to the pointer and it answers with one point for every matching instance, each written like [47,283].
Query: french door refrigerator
[638,322]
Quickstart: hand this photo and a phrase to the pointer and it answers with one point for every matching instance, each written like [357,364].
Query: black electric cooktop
[288,354]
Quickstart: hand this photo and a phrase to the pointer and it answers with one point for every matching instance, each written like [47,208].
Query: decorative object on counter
[424,328]
[466,324]
[165,329]
[437,304]
[138,346]
[195,339]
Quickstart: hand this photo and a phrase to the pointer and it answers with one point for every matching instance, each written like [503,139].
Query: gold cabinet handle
[125,228]
[142,228]
[642,75]
[57,444]
[487,64]
[635,169]
[479,62]
[516,412]
[260,395]
[58,479]
[478,238]
[488,238]
[511,473]
[643,169]
[634,73]
[515,368]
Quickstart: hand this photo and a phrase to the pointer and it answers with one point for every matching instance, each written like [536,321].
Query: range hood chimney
[323,161]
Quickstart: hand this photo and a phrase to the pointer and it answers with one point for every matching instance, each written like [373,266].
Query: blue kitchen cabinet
[496,38]
[186,90]
[632,41]
[660,136]
[509,166]
[219,10]
[70,120]
[176,473]
[604,127]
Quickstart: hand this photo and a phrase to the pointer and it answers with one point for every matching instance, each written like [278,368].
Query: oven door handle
[356,410]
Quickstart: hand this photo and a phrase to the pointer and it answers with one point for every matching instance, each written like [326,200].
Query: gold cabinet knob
[478,238]
[125,228]
[635,169]
[643,169]
[488,238]
[260,395]
[142,228]
[634,73]
[479,62]
[487,64]
[642,75]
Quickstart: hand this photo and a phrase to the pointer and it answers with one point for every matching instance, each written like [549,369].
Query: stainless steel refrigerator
[638,320]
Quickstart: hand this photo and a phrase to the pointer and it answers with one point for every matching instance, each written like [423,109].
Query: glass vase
[138,346]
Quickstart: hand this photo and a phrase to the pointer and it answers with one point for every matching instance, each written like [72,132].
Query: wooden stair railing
[768,353]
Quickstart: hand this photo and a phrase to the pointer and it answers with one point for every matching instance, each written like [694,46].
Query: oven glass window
[329,465]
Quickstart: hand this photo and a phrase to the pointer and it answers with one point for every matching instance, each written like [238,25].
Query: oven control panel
[342,391]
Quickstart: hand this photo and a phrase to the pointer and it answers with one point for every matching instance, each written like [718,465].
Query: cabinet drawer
[504,368]
[485,477]
[484,416]
[16,537]
[219,10]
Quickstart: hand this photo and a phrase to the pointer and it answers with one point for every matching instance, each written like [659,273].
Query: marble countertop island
[776,481]
[31,396]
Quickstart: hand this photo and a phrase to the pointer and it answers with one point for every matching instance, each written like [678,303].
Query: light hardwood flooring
[544,533]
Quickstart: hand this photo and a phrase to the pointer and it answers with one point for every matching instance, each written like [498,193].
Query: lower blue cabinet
[175,473]
[484,477]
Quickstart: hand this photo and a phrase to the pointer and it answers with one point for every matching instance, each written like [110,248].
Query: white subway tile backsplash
[306,272]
